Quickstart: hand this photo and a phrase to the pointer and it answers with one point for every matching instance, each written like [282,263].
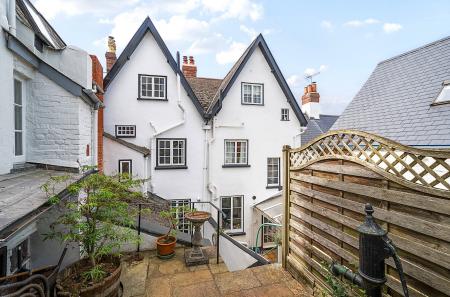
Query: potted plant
[98,219]
[165,245]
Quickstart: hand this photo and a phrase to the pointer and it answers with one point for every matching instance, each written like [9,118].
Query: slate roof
[205,89]
[140,149]
[32,18]
[317,127]
[396,100]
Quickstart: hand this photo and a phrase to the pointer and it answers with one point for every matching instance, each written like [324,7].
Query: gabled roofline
[17,47]
[261,43]
[147,26]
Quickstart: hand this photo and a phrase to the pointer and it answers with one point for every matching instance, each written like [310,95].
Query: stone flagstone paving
[153,277]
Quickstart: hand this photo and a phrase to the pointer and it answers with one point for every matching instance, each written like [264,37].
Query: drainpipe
[12,17]
[211,187]
[94,142]
[183,120]
[145,185]
[206,164]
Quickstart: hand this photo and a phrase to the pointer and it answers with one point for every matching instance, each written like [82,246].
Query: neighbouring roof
[227,82]
[21,50]
[397,100]
[147,26]
[317,127]
[22,199]
[272,207]
[205,89]
[140,149]
[32,18]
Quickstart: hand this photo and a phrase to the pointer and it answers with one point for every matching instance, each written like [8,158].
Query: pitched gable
[147,26]
[232,75]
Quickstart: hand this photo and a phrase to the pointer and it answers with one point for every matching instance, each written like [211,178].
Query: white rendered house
[48,124]
[200,139]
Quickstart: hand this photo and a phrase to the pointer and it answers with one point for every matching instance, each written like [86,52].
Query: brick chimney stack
[97,79]
[110,55]
[310,101]
[189,68]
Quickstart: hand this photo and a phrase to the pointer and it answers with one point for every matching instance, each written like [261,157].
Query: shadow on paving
[153,277]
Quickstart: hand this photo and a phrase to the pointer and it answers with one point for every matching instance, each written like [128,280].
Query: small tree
[100,220]
[171,217]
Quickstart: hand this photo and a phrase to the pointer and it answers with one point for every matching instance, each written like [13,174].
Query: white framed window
[273,172]
[125,131]
[269,232]
[171,152]
[252,93]
[233,208]
[444,94]
[236,152]
[183,224]
[285,114]
[126,167]
[152,87]
[19,123]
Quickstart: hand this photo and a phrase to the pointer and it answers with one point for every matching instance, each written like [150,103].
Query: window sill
[236,233]
[274,187]
[134,136]
[235,165]
[171,167]
[153,99]
[253,104]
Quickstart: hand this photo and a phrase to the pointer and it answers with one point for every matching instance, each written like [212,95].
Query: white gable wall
[123,108]
[264,130]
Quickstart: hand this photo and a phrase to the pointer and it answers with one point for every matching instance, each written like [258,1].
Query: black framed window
[126,167]
[444,94]
[125,131]
[236,152]
[273,172]
[269,232]
[171,153]
[152,87]
[233,207]
[252,93]
[285,114]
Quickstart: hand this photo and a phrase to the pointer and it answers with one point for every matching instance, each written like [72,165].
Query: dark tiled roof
[317,127]
[395,102]
[30,16]
[140,149]
[204,89]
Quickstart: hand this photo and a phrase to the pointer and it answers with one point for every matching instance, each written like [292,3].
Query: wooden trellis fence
[328,181]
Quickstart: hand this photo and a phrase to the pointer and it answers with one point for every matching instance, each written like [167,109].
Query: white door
[19,121]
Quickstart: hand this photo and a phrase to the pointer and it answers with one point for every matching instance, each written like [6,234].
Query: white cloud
[181,28]
[295,80]
[231,54]
[360,23]
[327,25]
[208,44]
[51,8]
[240,9]
[252,33]
[311,71]
[391,27]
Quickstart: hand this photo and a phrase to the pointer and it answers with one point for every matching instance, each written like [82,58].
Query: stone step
[20,167]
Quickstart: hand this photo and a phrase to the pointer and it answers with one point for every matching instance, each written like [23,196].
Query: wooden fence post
[285,243]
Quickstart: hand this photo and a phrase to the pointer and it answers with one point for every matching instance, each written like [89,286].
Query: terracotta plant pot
[108,287]
[165,247]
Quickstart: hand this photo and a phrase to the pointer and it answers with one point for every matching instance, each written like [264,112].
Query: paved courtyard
[152,277]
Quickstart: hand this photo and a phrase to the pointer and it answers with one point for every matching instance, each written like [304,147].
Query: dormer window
[252,94]
[152,87]
[444,94]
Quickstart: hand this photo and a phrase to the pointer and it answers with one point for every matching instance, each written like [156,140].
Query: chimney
[111,53]
[189,68]
[97,79]
[310,101]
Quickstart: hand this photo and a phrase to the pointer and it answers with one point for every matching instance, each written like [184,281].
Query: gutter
[20,49]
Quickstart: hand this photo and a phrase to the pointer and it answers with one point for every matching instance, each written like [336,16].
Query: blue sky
[343,39]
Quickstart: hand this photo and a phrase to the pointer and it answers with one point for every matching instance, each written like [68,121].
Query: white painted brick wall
[58,125]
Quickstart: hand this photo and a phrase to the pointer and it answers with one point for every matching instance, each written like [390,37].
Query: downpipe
[374,247]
